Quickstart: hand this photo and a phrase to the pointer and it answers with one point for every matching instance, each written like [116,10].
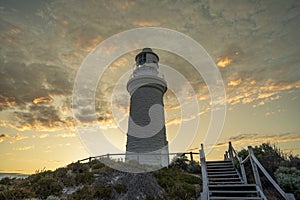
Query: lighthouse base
[156,158]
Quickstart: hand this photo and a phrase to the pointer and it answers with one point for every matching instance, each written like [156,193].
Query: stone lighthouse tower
[146,136]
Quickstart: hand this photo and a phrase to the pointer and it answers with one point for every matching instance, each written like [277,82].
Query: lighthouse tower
[146,136]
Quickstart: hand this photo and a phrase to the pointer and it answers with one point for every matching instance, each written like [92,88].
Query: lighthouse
[146,136]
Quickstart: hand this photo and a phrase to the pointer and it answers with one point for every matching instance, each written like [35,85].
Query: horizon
[254,45]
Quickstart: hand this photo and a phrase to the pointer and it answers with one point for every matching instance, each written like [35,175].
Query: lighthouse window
[141,59]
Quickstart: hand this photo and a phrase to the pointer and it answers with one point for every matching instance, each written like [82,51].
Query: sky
[255,45]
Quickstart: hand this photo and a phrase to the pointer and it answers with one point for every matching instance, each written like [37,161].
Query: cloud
[3,136]
[6,102]
[146,23]
[44,135]
[23,84]
[66,135]
[25,148]
[258,138]
[248,45]
[46,99]
[224,62]
[12,138]
[38,117]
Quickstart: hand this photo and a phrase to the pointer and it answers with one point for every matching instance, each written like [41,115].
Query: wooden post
[230,151]
[226,155]
[191,155]
[204,194]
[254,167]
[243,170]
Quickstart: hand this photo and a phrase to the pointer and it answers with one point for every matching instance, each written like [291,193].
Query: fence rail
[110,155]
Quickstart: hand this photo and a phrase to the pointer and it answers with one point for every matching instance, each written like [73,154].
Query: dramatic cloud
[12,138]
[254,41]
[258,138]
[25,148]
[3,137]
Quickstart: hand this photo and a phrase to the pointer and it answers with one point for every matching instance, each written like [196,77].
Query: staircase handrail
[255,163]
[233,154]
[246,159]
[287,196]
[205,192]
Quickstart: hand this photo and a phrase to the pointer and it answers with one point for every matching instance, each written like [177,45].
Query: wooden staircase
[221,180]
[224,182]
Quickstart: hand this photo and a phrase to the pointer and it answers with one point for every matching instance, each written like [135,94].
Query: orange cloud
[66,135]
[224,62]
[146,23]
[125,4]
[16,138]
[38,125]
[3,137]
[7,101]
[88,44]
[13,31]
[244,140]
[235,82]
[46,99]
[24,148]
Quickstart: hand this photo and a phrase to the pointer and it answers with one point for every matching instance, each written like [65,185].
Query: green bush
[96,164]
[16,193]
[51,197]
[289,180]
[120,188]
[79,167]
[65,176]
[84,178]
[103,192]
[47,186]
[179,162]
[177,183]
[194,167]
[86,192]
[183,191]
[6,181]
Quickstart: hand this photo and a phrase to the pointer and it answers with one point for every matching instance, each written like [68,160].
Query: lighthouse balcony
[147,70]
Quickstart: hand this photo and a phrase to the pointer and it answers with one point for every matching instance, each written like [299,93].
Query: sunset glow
[43,44]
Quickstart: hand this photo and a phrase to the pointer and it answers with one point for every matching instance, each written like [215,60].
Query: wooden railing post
[230,151]
[226,155]
[254,167]
[204,194]
[243,170]
[191,156]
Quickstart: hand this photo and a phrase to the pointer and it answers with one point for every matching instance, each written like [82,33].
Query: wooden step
[224,179]
[237,187]
[220,169]
[221,172]
[223,175]
[230,193]
[237,198]
[220,165]
[224,182]
[219,161]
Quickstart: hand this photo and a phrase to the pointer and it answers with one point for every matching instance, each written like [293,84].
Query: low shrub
[289,180]
[103,192]
[84,178]
[120,188]
[47,186]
